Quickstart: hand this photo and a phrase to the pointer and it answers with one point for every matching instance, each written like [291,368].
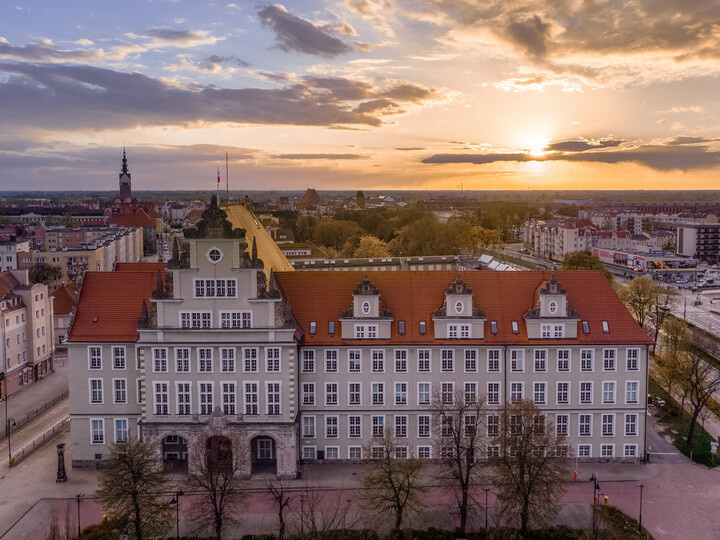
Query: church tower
[125,187]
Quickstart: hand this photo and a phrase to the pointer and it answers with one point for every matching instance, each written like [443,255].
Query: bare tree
[282,499]
[321,510]
[133,488]
[702,381]
[216,471]
[392,485]
[531,467]
[459,416]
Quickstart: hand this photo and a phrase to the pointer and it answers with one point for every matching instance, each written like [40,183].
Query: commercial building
[313,365]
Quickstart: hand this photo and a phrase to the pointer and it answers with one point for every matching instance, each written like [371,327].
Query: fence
[34,413]
[37,442]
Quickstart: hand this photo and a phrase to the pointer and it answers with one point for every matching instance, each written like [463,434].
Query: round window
[459,307]
[366,307]
[552,307]
[214,255]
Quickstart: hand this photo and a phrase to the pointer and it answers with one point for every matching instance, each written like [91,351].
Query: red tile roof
[7,283]
[64,300]
[413,297]
[140,267]
[115,298]
[134,217]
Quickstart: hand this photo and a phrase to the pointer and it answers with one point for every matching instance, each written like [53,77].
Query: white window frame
[159,403]
[92,431]
[92,358]
[421,360]
[518,361]
[493,364]
[200,397]
[115,349]
[186,392]
[115,391]
[115,430]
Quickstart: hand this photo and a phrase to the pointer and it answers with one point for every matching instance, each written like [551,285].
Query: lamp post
[486,489]
[176,501]
[9,423]
[641,486]
[596,488]
[79,498]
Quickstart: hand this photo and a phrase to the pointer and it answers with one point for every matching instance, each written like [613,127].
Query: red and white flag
[218,175]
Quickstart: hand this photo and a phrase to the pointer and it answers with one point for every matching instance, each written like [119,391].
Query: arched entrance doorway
[175,453]
[263,455]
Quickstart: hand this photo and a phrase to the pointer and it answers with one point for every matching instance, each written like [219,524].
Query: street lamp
[79,498]
[9,423]
[486,489]
[596,489]
[641,486]
[176,501]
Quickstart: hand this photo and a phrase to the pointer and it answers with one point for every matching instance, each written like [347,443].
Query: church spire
[124,163]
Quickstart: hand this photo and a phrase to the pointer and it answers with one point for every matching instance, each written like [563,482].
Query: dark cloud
[82,97]
[377,105]
[213,62]
[688,140]
[179,37]
[530,36]
[293,34]
[44,52]
[582,145]
[319,156]
[410,148]
[407,92]
[658,157]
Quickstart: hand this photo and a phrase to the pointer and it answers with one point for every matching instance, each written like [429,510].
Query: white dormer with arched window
[366,319]
[552,318]
[458,318]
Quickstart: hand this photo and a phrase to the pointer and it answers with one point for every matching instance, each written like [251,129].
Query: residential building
[701,241]
[9,248]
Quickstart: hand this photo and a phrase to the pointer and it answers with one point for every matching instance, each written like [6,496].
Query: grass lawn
[677,426]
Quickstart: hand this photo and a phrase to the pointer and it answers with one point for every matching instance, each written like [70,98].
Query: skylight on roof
[423,327]
[493,327]
[95,319]
[586,327]
[331,327]
[515,328]
[401,327]
[313,327]
[606,328]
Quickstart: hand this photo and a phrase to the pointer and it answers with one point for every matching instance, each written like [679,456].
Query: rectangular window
[608,359]
[183,398]
[98,431]
[161,398]
[632,358]
[121,430]
[308,426]
[540,360]
[561,425]
[470,360]
[493,360]
[452,331]
[586,360]
[607,450]
[331,361]
[470,392]
[204,360]
[354,426]
[273,398]
[608,392]
[378,426]
[401,426]
[464,331]
[308,393]
[584,450]
[586,392]
[446,426]
[539,393]
[120,390]
[354,393]
[227,359]
[331,393]
[630,450]
[517,360]
[308,452]
[563,393]
[251,398]
[516,392]
[308,361]
[424,393]
[206,397]
[354,452]
[631,392]
[400,360]
[423,359]
[378,393]
[563,360]
[493,393]
[545,330]
[401,393]
[96,391]
[272,359]
[182,360]
[94,357]
[558,330]
[331,427]
[119,361]
[423,425]
[493,426]
[228,397]
[585,425]
[250,359]
[631,425]
[447,391]
[378,361]
[236,319]
[215,288]
[448,359]
[354,361]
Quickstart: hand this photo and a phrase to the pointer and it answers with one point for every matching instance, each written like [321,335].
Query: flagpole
[217,195]
[227,181]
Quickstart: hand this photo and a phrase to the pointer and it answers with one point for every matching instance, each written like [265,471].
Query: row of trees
[527,464]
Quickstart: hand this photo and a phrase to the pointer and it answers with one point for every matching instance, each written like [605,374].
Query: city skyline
[361,94]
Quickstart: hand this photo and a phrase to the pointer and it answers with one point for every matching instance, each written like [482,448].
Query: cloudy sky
[371,94]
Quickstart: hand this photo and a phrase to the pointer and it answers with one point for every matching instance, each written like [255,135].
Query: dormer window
[366,308]
[552,307]
[458,307]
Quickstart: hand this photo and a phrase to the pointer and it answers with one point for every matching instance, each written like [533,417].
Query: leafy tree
[303,228]
[133,487]
[44,273]
[68,221]
[665,299]
[584,260]
[641,296]
[484,237]
[702,381]
[216,471]
[392,485]
[334,233]
[459,418]
[371,247]
[532,466]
